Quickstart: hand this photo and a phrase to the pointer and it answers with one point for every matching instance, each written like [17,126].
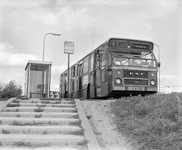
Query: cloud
[10,58]
[48,18]
[58,69]
[63,16]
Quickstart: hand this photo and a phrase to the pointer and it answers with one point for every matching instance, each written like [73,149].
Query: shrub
[12,89]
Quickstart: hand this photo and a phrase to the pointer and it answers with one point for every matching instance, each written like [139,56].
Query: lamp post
[44,42]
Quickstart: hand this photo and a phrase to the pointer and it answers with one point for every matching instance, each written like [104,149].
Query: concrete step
[39,105]
[39,109]
[39,115]
[66,129]
[38,121]
[36,139]
[37,101]
[45,123]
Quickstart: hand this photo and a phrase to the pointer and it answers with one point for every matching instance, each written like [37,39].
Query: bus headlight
[152,82]
[118,72]
[118,81]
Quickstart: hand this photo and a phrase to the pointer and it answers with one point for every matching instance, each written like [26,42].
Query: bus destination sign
[140,46]
[130,45]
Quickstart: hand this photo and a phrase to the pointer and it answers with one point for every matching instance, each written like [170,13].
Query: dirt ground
[103,126]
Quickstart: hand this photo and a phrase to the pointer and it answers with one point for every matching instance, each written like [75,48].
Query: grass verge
[151,122]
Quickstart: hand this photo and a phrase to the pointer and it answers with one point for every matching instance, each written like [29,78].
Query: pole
[68,74]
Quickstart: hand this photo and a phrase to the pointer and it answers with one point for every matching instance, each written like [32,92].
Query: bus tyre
[88,91]
[66,94]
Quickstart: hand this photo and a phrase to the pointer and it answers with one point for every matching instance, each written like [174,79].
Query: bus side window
[98,60]
[85,64]
[103,58]
[80,69]
[92,62]
[74,71]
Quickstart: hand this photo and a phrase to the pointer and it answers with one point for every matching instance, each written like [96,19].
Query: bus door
[73,70]
[79,81]
[101,74]
[65,85]
[92,84]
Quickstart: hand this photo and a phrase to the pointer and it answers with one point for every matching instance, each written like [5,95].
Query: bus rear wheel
[88,91]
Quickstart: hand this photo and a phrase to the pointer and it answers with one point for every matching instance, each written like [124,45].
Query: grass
[16,123]
[4,131]
[38,116]
[15,101]
[151,122]
[81,132]
[13,105]
[45,132]
[40,105]
[75,123]
[45,102]
[22,144]
[39,109]
[83,143]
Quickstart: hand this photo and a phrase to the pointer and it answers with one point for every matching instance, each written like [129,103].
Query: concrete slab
[6,129]
[10,139]
[38,109]
[37,101]
[44,105]
[41,115]
[38,121]
[89,134]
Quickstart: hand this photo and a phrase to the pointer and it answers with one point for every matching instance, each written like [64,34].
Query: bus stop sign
[68,47]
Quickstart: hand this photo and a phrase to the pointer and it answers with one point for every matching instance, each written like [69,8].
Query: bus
[118,67]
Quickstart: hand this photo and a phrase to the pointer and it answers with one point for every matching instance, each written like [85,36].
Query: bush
[12,89]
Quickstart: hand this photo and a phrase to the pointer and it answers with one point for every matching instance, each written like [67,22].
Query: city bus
[116,68]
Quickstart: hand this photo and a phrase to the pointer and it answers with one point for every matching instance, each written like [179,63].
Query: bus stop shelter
[37,79]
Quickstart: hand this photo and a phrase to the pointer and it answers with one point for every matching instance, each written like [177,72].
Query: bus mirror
[98,57]
[158,64]
[97,51]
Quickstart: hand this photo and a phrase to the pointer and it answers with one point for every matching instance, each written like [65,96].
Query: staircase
[35,123]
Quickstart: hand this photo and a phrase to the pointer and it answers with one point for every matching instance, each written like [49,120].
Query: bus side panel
[92,91]
[110,84]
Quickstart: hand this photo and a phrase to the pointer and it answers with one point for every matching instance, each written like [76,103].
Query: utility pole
[68,49]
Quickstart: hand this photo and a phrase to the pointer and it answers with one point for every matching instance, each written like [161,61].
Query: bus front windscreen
[135,60]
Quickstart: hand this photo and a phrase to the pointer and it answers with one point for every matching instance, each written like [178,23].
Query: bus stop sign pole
[68,49]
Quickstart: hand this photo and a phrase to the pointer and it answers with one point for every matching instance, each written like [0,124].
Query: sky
[88,23]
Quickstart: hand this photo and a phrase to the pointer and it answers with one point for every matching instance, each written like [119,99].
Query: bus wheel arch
[65,94]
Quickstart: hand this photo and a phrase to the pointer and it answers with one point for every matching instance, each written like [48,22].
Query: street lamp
[44,42]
